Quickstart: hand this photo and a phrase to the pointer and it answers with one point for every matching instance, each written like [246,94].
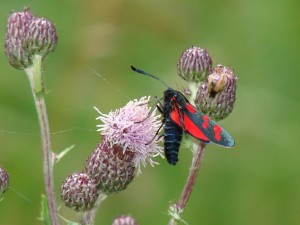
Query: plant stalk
[177,209]
[88,218]
[36,84]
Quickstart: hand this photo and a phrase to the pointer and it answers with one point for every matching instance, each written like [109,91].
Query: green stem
[37,75]
[36,84]
[193,87]
[88,218]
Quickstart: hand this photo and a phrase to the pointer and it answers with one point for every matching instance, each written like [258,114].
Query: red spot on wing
[190,108]
[217,133]
[193,129]
[205,122]
[175,116]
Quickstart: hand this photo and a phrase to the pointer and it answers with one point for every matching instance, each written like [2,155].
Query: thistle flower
[128,139]
[216,96]
[134,129]
[15,46]
[4,181]
[111,167]
[194,64]
[79,192]
[41,36]
[124,220]
[26,36]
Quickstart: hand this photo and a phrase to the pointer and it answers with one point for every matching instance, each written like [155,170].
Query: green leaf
[45,211]
[73,223]
[59,156]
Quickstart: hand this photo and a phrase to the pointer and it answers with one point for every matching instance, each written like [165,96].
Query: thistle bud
[216,96]
[111,167]
[27,35]
[124,220]
[4,181]
[194,65]
[79,192]
[41,37]
[15,42]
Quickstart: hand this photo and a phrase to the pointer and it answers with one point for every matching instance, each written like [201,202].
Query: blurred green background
[257,182]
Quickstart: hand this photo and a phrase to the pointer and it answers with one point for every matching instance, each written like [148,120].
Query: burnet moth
[180,116]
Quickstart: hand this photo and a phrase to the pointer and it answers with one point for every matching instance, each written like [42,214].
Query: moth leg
[158,106]
[160,136]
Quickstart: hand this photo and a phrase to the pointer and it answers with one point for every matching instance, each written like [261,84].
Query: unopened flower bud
[41,37]
[79,192]
[26,36]
[15,46]
[4,181]
[216,96]
[124,220]
[194,65]
[111,167]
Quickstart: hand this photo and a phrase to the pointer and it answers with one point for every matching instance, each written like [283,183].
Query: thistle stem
[88,218]
[36,84]
[177,209]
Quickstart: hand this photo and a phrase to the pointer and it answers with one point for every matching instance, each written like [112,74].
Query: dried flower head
[134,129]
[216,96]
[194,64]
[4,181]
[79,192]
[124,220]
[111,167]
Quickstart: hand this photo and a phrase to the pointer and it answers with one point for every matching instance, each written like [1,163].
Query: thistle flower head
[134,129]
[15,42]
[216,96]
[26,36]
[194,64]
[4,181]
[79,192]
[41,36]
[124,220]
[111,167]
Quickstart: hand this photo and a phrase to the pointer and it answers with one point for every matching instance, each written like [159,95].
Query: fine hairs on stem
[34,76]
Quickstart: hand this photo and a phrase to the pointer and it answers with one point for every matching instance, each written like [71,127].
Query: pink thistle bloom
[133,128]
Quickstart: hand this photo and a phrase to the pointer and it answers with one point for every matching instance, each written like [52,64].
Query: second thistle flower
[79,192]
[111,168]
[216,96]
[194,64]
[41,37]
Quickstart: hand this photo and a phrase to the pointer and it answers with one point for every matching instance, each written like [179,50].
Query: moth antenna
[150,75]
